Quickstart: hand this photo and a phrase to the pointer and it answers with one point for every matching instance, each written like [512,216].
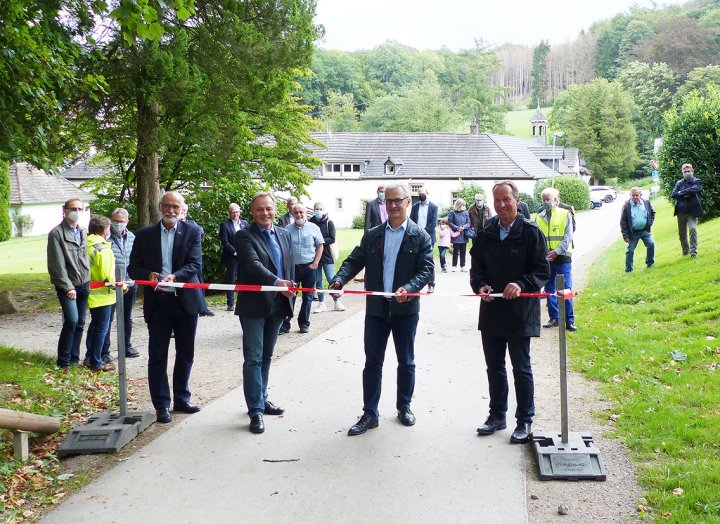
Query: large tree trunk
[147,174]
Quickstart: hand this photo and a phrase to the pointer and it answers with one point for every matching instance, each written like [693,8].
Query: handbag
[470,232]
[334,251]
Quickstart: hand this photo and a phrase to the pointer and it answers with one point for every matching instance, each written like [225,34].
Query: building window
[347,168]
[336,168]
[338,204]
[356,168]
[389,169]
[454,195]
[415,188]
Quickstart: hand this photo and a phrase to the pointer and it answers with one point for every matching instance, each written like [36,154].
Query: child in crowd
[444,242]
[101,300]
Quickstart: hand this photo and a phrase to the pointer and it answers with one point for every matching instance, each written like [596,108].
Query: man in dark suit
[287,218]
[265,257]
[397,257]
[228,228]
[425,214]
[376,212]
[169,251]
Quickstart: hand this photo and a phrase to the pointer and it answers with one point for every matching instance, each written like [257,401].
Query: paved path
[209,468]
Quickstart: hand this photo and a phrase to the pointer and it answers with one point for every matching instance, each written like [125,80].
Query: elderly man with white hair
[556,223]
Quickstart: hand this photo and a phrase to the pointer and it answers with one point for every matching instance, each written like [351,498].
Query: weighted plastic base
[105,433]
[577,459]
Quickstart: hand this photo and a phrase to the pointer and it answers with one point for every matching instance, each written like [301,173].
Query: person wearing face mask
[327,264]
[688,208]
[376,211]
[479,213]
[121,240]
[459,222]
[69,269]
[307,247]
[425,214]
[556,224]
[169,251]
[101,301]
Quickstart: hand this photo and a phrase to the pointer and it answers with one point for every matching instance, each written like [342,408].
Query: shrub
[358,222]
[573,191]
[23,223]
[532,202]
[5,224]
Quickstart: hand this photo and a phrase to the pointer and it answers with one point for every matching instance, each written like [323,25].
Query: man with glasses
[169,251]
[397,258]
[69,269]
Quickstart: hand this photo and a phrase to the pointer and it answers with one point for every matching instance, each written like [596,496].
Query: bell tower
[539,127]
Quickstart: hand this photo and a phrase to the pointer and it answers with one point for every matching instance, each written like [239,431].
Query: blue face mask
[318,214]
[381,196]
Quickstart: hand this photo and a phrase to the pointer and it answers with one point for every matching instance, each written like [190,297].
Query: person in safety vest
[556,223]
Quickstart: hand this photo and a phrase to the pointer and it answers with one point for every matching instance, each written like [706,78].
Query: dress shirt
[275,250]
[76,232]
[638,214]
[383,210]
[236,225]
[167,241]
[505,232]
[305,240]
[422,213]
[393,240]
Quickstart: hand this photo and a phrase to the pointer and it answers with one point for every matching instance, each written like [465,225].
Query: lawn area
[517,123]
[24,255]
[652,339]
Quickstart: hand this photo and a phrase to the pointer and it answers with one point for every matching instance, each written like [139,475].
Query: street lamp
[554,135]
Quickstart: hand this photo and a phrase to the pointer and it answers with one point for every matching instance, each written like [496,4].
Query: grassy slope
[517,123]
[666,410]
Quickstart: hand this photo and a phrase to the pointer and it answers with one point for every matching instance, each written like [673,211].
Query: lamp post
[554,135]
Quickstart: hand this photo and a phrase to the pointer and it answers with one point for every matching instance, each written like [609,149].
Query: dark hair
[98,224]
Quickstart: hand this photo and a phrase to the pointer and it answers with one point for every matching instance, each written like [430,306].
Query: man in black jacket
[509,257]
[688,208]
[229,258]
[397,258]
[636,220]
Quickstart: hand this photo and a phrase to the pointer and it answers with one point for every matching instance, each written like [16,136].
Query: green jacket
[102,269]
[67,260]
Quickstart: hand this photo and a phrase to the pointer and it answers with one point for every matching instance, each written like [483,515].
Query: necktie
[275,251]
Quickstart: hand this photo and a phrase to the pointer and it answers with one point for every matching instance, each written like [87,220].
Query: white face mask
[73,216]
[118,227]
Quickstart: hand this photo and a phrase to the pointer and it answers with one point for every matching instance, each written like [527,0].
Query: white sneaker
[339,306]
[463,270]
[320,307]
[454,269]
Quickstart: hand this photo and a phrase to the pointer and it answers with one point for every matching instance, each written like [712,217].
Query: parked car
[595,203]
[605,193]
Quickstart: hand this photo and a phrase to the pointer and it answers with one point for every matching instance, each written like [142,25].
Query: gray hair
[233,206]
[632,190]
[551,191]
[261,194]
[122,212]
[397,185]
[511,184]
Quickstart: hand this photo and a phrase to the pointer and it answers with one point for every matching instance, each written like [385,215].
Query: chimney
[474,127]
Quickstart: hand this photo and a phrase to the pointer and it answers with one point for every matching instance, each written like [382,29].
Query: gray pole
[120,326]
[560,286]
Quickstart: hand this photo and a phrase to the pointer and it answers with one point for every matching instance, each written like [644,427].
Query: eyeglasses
[395,201]
[74,209]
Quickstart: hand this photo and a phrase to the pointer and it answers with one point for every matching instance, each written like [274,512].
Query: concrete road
[304,468]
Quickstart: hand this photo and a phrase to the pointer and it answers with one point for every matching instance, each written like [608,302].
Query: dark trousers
[459,251]
[259,338]
[494,348]
[377,332]
[74,312]
[167,317]
[305,276]
[128,304]
[231,278]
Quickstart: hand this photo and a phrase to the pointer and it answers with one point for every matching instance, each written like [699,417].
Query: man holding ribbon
[397,258]
[509,256]
[265,257]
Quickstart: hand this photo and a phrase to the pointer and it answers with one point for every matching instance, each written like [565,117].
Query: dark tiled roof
[84,171]
[538,115]
[433,155]
[33,186]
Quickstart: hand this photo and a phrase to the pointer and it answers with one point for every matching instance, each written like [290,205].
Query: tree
[5,224]
[573,191]
[538,74]
[334,71]
[691,136]
[597,119]
[610,37]
[393,65]
[340,113]
[699,79]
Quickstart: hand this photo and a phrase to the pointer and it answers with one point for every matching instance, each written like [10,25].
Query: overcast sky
[432,24]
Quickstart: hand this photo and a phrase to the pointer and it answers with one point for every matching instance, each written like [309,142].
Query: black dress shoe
[367,421]
[230,308]
[256,424]
[163,415]
[490,426]
[272,409]
[570,326]
[553,322]
[186,407]
[207,313]
[406,416]
[132,353]
[522,433]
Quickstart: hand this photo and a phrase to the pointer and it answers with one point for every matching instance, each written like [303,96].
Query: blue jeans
[97,331]
[564,269]
[443,251]
[377,332]
[128,304]
[519,349]
[647,239]
[329,270]
[259,338]
[74,312]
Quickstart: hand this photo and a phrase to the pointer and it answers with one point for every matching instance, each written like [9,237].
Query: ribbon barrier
[565,294]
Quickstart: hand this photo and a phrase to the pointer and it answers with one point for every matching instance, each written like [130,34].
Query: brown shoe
[108,366]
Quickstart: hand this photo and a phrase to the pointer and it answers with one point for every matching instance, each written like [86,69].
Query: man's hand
[335,285]
[511,291]
[314,265]
[72,294]
[627,240]
[287,283]
[401,295]
[552,255]
[486,289]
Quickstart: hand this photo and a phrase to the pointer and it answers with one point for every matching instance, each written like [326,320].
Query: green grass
[24,255]
[517,123]
[667,411]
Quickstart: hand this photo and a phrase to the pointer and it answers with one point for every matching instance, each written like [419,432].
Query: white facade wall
[45,216]
[353,191]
